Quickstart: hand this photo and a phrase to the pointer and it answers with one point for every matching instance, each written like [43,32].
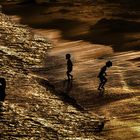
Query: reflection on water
[67,85]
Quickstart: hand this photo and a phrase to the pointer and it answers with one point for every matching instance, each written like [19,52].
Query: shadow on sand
[67,86]
[64,96]
[102,98]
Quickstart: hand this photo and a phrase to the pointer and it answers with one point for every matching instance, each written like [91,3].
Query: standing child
[69,67]
[102,75]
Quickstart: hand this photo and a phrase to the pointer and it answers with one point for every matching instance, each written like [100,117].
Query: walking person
[69,67]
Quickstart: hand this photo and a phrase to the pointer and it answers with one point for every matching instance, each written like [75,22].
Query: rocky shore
[32,111]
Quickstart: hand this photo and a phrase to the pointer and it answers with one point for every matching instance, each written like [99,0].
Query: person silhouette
[102,75]
[69,67]
[2,89]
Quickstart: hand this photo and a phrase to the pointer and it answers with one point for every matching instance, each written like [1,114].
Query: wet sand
[93,36]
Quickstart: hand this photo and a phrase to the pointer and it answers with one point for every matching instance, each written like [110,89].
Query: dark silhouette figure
[69,67]
[2,89]
[102,75]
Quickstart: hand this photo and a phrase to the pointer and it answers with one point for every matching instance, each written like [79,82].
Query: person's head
[108,63]
[68,56]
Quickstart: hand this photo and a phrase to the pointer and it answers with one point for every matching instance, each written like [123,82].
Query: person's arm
[104,70]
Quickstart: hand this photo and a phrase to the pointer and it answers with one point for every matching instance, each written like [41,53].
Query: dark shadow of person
[67,85]
[101,92]
[2,89]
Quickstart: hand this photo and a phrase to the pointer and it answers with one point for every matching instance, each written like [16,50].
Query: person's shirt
[102,71]
[69,64]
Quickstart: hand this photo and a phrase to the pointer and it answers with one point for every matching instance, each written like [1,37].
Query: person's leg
[70,70]
[68,75]
[101,82]
[104,82]
[71,76]
[99,87]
